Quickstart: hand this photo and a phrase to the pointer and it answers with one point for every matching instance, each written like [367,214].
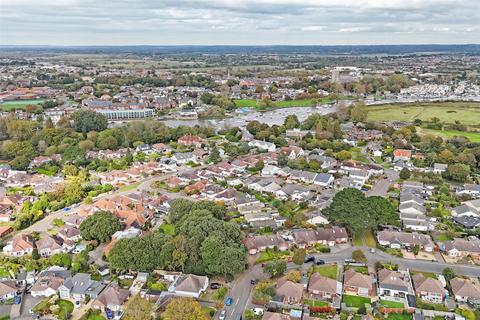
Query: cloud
[84,22]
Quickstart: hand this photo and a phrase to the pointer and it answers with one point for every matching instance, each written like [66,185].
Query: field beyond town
[467,113]
[19,104]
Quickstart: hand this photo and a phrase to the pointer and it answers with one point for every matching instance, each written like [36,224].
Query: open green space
[365,237]
[254,103]
[129,187]
[466,112]
[355,301]
[472,136]
[270,255]
[19,104]
[391,304]
[316,303]
[168,229]
[329,271]
[4,273]
[399,316]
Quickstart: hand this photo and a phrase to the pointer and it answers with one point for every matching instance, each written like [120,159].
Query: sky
[238,22]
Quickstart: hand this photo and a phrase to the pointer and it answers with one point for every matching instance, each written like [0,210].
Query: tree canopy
[100,226]
[88,120]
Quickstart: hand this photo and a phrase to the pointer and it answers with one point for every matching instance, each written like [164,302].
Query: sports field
[253,103]
[19,104]
[466,112]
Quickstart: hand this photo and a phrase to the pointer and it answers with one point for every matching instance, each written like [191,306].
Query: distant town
[268,185]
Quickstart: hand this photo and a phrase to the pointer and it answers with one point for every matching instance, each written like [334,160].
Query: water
[271,117]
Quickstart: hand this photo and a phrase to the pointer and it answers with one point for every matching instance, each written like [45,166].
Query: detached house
[459,248]
[464,290]
[402,154]
[48,246]
[262,145]
[255,244]
[8,290]
[191,141]
[328,236]
[79,287]
[359,284]
[393,283]
[19,246]
[112,298]
[398,240]
[289,291]
[323,288]
[189,285]
[428,289]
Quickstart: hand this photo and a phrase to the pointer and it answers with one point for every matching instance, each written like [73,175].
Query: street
[380,188]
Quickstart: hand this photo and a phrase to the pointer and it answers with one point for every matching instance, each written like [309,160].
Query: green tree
[87,120]
[100,226]
[299,256]
[184,309]
[358,113]
[458,172]
[359,256]
[138,308]
[448,273]
[221,259]
[291,122]
[344,155]
[405,174]
[61,259]
[275,268]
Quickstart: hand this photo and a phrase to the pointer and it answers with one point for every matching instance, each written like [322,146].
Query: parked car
[309,259]
[372,250]
[222,315]
[319,262]
[215,285]
[253,281]
[229,301]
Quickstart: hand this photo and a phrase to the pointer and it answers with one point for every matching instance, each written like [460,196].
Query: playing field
[466,112]
[19,104]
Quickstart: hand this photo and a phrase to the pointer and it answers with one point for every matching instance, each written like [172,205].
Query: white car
[372,250]
[222,315]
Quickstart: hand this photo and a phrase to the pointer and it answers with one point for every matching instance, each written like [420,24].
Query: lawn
[472,136]
[253,103]
[168,229]
[362,270]
[399,316]
[220,293]
[66,307]
[316,303]
[442,237]
[355,301]
[129,187]
[358,155]
[19,104]
[329,271]
[391,304]
[4,273]
[465,112]
[270,255]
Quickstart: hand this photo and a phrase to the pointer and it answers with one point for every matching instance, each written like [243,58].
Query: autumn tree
[184,309]
[138,308]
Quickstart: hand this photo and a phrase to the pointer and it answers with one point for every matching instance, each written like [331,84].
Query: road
[380,188]
[241,290]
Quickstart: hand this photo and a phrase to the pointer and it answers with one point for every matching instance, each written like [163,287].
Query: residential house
[267,315]
[468,208]
[79,287]
[464,290]
[292,152]
[48,246]
[189,285]
[439,168]
[184,158]
[472,190]
[325,236]
[323,179]
[112,298]
[262,145]
[289,291]
[399,239]
[8,290]
[191,141]
[46,286]
[255,244]
[402,154]
[357,283]
[393,283]
[323,288]
[428,289]
[459,248]
[19,246]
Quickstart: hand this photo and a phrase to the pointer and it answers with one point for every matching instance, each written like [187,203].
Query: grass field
[472,136]
[253,103]
[399,316]
[129,187]
[329,271]
[466,112]
[355,301]
[168,229]
[19,104]
[391,304]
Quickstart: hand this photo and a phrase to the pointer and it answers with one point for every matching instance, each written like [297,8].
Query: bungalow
[112,298]
[323,179]
[302,176]
[46,286]
[19,246]
[255,244]
[428,289]
[189,285]
[416,222]
[262,145]
[290,292]
[393,283]
[411,208]
[323,288]
[468,208]
[69,234]
[359,284]
[398,239]
[472,190]
[48,246]
[327,236]
[8,290]
[464,290]
[459,248]
[439,168]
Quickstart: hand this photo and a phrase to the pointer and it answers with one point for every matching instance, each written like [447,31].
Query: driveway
[380,188]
